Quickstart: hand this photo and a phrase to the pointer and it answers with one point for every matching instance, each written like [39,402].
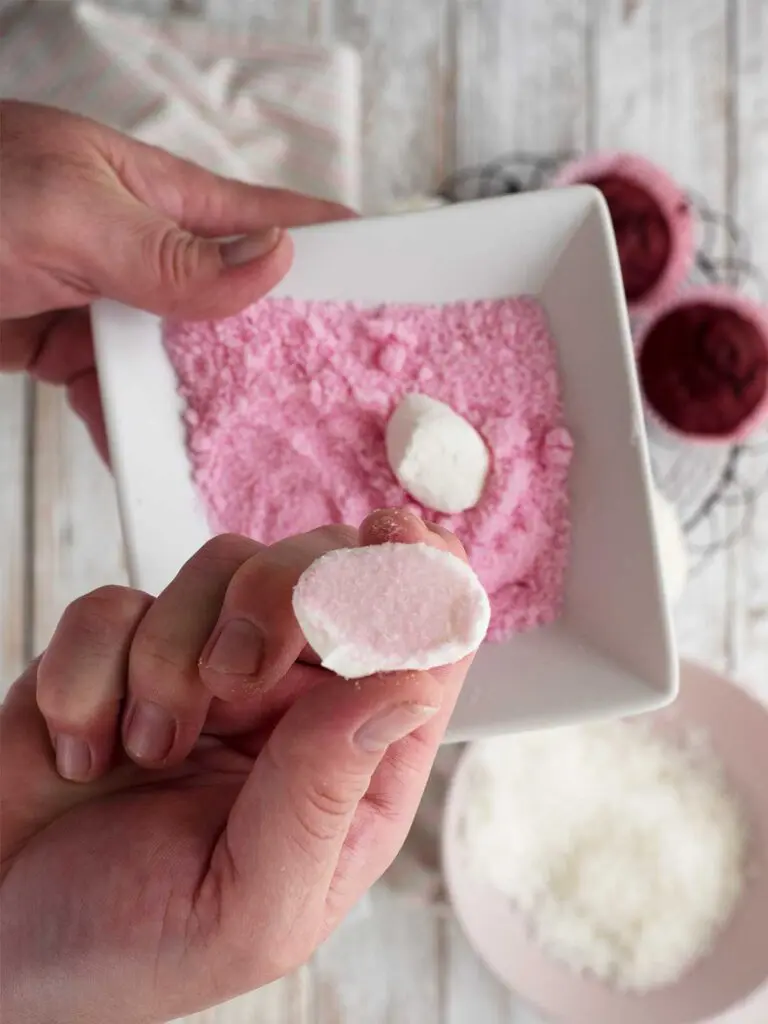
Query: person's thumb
[190,243]
[288,827]
[148,261]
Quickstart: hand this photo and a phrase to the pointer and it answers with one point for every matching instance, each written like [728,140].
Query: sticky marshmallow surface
[437,456]
[390,607]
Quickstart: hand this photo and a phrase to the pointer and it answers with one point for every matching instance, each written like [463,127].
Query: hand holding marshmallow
[192,741]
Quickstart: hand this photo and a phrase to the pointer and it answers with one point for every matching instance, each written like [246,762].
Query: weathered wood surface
[14,523]
[749,198]
[446,83]
[77,541]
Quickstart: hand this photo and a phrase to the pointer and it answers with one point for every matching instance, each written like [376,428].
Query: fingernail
[150,733]
[389,524]
[73,758]
[391,725]
[237,650]
[250,247]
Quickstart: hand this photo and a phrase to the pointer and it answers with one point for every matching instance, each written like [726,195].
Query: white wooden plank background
[76,539]
[446,83]
[749,162]
[661,77]
[14,596]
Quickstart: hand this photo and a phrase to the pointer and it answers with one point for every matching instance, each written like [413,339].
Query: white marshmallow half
[390,607]
[672,548]
[437,456]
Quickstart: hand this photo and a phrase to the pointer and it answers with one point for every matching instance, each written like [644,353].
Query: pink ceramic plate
[738,727]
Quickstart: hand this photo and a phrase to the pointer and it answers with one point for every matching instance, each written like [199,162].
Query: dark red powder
[642,233]
[704,369]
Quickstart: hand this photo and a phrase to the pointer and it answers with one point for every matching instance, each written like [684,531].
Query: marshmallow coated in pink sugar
[390,607]
[652,221]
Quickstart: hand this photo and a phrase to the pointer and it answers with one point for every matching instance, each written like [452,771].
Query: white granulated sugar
[390,607]
[625,852]
[437,456]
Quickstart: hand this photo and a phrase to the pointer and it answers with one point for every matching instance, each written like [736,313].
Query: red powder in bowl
[287,406]
[652,221]
[642,234]
[704,369]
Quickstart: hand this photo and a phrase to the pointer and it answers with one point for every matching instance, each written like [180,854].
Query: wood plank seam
[28,526]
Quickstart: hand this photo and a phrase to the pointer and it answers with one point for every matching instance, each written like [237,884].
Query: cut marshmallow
[390,607]
[437,456]
[673,553]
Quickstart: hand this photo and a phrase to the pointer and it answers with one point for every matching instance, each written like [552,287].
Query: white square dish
[612,651]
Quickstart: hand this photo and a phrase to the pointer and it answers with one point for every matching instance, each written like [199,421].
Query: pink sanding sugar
[286,408]
[363,609]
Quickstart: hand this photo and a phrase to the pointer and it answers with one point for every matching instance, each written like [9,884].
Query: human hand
[87,212]
[242,827]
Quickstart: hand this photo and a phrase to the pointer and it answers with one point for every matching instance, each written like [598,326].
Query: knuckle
[100,619]
[406,766]
[53,188]
[336,536]
[295,553]
[158,654]
[322,810]
[177,256]
[151,654]
[225,549]
[320,807]
[258,585]
[169,641]
[94,631]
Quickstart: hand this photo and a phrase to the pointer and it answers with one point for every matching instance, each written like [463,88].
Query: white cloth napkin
[232,101]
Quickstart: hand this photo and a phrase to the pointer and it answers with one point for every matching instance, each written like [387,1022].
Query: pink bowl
[738,965]
[652,221]
[748,311]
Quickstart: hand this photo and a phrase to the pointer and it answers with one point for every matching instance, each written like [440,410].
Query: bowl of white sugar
[617,872]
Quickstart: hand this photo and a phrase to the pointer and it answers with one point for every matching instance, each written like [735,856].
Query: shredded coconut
[625,852]
[286,412]
[390,607]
